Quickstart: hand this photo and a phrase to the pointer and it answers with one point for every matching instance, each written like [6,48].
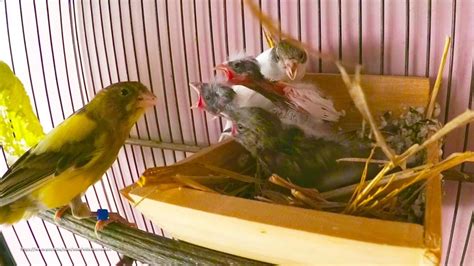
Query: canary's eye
[124,92]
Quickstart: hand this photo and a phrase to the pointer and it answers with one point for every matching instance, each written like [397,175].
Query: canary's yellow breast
[64,187]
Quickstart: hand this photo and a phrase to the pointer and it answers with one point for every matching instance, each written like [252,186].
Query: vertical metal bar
[298,8]
[320,61]
[8,36]
[382,37]
[279,20]
[42,65]
[260,25]
[453,224]
[198,54]
[95,91]
[360,32]
[110,81]
[152,86]
[147,128]
[13,68]
[339,14]
[84,89]
[103,40]
[28,63]
[172,71]
[163,85]
[466,242]
[124,183]
[242,15]
[407,36]
[114,50]
[87,51]
[226,30]
[59,95]
[428,39]
[128,74]
[468,126]
[213,50]
[64,55]
[94,39]
[75,45]
[48,104]
[113,43]
[77,51]
[145,117]
[451,60]
[93,85]
[139,78]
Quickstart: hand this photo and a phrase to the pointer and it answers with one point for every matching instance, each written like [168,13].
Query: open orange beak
[291,67]
[147,99]
[196,86]
[227,71]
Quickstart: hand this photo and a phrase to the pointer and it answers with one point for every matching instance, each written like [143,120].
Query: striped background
[65,51]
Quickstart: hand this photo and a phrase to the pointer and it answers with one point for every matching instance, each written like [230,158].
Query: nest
[395,193]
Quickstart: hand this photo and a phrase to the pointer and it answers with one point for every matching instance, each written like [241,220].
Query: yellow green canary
[74,155]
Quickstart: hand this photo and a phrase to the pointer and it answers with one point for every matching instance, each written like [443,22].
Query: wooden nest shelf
[289,235]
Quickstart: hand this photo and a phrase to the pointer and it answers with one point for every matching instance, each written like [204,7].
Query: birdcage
[64,52]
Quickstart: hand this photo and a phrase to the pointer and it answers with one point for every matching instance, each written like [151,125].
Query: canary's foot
[59,213]
[102,222]
[81,210]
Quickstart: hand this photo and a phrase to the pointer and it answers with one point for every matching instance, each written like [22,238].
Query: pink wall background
[65,51]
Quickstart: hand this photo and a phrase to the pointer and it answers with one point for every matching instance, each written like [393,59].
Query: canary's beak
[229,74]
[291,67]
[197,87]
[146,99]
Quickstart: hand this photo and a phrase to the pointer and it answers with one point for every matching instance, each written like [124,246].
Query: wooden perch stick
[146,247]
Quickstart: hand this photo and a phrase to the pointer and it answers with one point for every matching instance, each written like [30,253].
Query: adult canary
[74,155]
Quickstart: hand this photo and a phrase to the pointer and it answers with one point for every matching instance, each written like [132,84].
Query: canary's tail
[16,211]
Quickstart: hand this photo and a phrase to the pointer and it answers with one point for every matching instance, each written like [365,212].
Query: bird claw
[59,213]
[113,217]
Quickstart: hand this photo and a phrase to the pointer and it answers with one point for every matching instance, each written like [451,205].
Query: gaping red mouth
[228,73]
[200,103]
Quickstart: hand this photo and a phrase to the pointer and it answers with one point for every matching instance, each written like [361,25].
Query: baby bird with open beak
[220,99]
[304,96]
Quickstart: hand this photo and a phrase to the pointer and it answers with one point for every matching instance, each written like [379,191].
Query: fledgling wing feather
[307,97]
[272,95]
[71,144]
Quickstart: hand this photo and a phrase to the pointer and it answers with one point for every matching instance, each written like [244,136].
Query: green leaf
[19,127]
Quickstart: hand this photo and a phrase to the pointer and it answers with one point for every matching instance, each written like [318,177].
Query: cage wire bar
[65,51]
